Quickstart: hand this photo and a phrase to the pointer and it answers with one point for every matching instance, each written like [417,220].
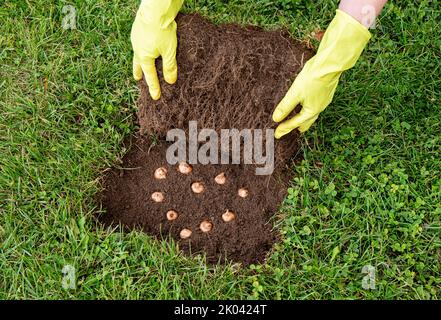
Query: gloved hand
[154,35]
[314,87]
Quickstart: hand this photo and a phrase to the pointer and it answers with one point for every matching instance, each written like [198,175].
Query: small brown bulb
[206,226]
[220,178]
[242,192]
[185,233]
[228,216]
[158,197]
[197,187]
[184,168]
[172,215]
[160,173]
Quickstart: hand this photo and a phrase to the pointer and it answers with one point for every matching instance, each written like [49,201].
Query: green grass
[367,192]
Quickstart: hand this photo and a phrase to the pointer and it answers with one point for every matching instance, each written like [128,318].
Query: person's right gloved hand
[154,35]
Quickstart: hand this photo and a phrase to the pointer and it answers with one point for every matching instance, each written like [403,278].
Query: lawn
[368,192]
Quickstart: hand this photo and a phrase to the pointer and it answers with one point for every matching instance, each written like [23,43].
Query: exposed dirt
[246,239]
[229,77]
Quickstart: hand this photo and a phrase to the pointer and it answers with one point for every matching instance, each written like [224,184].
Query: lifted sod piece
[228,77]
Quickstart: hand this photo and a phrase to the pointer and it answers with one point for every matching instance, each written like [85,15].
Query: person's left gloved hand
[315,86]
[154,35]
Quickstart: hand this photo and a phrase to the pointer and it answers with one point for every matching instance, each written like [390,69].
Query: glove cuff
[342,45]
[356,27]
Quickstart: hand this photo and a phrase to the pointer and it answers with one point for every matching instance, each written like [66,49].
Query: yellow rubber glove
[154,35]
[314,87]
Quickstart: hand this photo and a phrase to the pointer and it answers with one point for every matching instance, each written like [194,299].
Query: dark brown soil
[229,77]
[246,239]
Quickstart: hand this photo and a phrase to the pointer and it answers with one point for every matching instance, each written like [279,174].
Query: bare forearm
[364,11]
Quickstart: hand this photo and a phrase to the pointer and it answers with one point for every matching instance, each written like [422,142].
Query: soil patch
[246,239]
[229,77]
